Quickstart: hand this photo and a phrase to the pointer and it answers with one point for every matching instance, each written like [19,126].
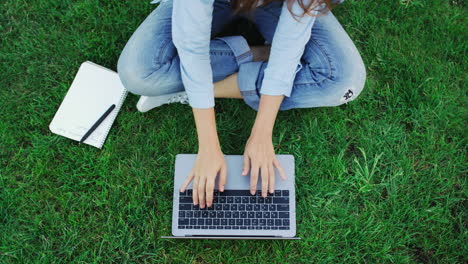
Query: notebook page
[92,92]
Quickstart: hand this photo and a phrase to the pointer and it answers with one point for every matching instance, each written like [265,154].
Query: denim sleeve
[191,32]
[287,48]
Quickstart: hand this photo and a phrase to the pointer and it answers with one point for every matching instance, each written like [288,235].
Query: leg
[149,64]
[332,71]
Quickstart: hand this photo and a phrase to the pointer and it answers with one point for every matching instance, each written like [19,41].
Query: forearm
[266,115]
[206,129]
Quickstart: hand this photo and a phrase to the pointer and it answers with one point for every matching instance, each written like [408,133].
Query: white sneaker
[147,103]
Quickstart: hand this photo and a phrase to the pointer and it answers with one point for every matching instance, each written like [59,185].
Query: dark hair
[314,5]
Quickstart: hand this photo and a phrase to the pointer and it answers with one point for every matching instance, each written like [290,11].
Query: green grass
[379,180]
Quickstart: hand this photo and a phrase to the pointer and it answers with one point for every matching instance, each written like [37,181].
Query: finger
[264,174]
[209,192]
[271,172]
[201,192]
[195,191]
[222,178]
[187,181]
[253,179]
[246,166]
[280,169]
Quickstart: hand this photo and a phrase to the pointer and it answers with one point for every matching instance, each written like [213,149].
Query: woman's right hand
[209,162]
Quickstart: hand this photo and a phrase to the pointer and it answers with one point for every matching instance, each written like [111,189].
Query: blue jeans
[332,71]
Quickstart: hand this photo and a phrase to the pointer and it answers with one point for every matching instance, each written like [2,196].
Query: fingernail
[264,194]
[252,192]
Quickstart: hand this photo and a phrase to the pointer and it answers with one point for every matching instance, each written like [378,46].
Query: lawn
[379,180]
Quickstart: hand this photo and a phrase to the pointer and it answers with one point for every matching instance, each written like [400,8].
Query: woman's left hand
[259,156]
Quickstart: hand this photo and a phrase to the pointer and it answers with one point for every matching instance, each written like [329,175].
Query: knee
[140,77]
[130,75]
[351,83]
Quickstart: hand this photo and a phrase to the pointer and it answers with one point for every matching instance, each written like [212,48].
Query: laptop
[235,213]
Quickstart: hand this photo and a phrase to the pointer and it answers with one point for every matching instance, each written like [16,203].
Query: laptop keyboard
[236,210]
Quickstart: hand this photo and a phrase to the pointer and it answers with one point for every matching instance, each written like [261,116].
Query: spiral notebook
[93,91]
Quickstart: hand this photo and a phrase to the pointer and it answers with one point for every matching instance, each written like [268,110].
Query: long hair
[322,6]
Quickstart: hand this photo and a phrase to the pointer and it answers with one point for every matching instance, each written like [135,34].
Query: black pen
[97,123]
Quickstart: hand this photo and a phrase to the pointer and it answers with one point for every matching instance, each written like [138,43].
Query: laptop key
[233,207]
[189,214]
[225,207]
[209,222]
[266,214]
[261,200]
[284,227]
[281,200]
[212,214]
[254,222]
[243,227]
[216,221]
[228,214]
[274,228]
[272,207]
[205,214]
[212,227]
[224,221]
[262,222]
[251,227]
[220,227]
[201,221]
[235,227]
[278,222]
[230,200]
[286,222]
[247,222]
[268,200]
[204,227]
[270,222]
[222,199]
[218,207]
[185,207]
[181,214]
[185,199]
[245,200]
[228,227]
[243,215]
[241,207]
[285,193]
[183,193]
[239,222]
[278,193]
[237,200]
[283,214]
[197,214]
[196,227]
[183,221]
[249,207]
[220,214]
[256,207]
[274,214]
[232,222]
[193,221]
[282,207]
[258,215]
[266,228]
[181,227]
[251,214]
[253,199]
[264,207]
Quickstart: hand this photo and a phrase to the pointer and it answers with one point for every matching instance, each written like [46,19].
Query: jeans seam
[331,75]
[161,50]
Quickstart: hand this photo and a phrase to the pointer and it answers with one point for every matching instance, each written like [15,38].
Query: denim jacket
[191,29]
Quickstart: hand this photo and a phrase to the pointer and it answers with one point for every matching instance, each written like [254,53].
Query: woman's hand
[259,155]
[208,164]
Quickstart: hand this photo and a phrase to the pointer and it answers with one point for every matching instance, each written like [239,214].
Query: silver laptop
[235,213]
